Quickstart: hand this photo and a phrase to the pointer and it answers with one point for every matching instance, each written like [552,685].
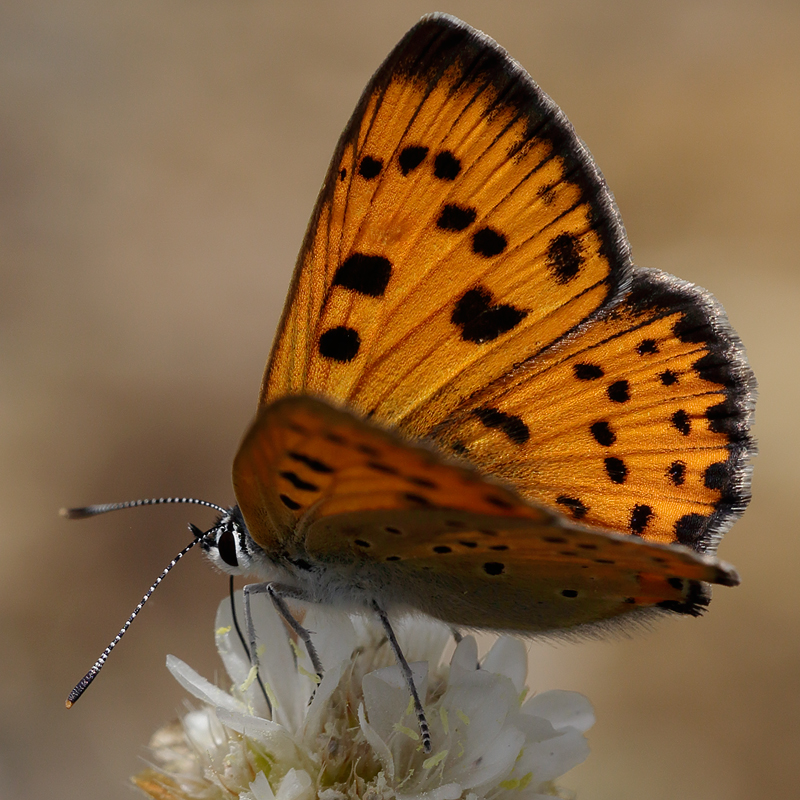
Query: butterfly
[476,407]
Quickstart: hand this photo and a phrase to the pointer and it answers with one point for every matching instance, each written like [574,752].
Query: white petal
[201,688]
[318,711]
[491,764]
[380,747]
[260,788]
[549,759]
[295,785]
[450,791]
[333,635]
[422,638]
[202,728]
[562,709]
[466,654]
[253,727]
[386,696]
[508,657]
[234,656]
[277,665]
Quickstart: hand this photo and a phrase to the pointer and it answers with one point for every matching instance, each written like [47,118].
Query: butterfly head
[228,543]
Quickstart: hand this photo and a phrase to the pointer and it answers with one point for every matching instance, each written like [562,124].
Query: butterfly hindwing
[637,422]
[447,540]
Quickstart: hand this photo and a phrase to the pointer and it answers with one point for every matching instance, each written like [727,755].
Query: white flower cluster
[355,734]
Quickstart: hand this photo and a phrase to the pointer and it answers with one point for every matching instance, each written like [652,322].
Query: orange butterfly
[475,406]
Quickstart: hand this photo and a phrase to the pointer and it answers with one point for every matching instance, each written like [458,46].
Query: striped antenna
[91,511]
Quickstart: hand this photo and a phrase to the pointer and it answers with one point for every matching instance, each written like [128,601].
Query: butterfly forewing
[462,228]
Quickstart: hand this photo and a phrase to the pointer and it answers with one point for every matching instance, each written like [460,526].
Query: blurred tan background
[158,165]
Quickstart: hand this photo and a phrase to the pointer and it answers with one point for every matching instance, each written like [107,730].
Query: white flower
[358,736]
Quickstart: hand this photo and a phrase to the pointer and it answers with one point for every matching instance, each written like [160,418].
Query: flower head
[355,734]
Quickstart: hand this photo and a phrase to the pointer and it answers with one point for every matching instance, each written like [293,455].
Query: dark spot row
[486,242]
[641,515]
[619,391]
[476,313]
[446,166]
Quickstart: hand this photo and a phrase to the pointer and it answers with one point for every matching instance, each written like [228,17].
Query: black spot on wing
[714,368]
[640,518]
[677,472]
[547,194]
[312,463]
[425,483]
[417,499]
[288,502]
[689,529]
[455,218]
[616,469]
[411,157]
[694,603]
[602,433]
[494,568]
[482,320]
[564,257]
[668,377]
[723,418]
[511,425]
[340,344]
[367,275]
[379,466]
[498,502]
[716,476]
[576,508]
[681,422]
[446,166]
[370,168]
[619,392]
[298,482]
[587,372]
[487,243]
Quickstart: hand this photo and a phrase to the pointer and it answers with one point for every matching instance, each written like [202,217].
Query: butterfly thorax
[231,548]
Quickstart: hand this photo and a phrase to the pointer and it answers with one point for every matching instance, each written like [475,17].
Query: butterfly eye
[226,545]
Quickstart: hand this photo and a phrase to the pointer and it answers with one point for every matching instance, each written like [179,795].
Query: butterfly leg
[408,677]
[277,592]
[248,651]
[247,593]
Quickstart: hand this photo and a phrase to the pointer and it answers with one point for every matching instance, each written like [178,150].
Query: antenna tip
[77,513]
[69,704]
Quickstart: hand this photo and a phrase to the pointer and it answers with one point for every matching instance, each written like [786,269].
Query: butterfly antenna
[93,511]
[83,684]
